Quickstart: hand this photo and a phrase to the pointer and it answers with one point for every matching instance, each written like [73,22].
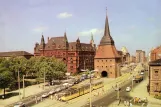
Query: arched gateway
[104,74]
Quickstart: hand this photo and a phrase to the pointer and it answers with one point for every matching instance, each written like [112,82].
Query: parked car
[128,89]
[142,73]
[52,92]
[45,95]
[20,104]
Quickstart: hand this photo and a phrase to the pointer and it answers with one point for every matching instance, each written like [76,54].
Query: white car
[142,73]
[19,104]
[128,89]
[52,92]
[45,95]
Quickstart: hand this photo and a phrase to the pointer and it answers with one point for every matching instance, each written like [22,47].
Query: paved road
[111,97]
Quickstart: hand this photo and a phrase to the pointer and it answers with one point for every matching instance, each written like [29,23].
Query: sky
[135,24]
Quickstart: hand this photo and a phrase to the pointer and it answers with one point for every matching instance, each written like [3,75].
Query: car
[19,104]
[45,95]
[128,89]
[58,89]
[52,92]
[142,73]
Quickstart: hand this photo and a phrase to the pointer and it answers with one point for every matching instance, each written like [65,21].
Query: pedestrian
[41,98]
[125,102]
[51,96]
[36,99]
[119,101]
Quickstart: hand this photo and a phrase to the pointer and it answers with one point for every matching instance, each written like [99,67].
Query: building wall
[132,59]
[155,80]
[140,56]
[108,65]
[75,60]
[155,55]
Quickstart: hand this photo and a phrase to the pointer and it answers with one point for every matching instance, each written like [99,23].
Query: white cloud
[64,15]
[94,31]
[40,29]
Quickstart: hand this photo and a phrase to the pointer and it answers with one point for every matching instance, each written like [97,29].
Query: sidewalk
[30,90]
[141,91]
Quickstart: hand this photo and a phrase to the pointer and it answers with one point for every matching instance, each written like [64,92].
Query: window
[156,73]
[106,66]
[97,60]
[110,60]
[110,66]
[71,66]
[106,60]
[102,66]
[97,66]
[102,60]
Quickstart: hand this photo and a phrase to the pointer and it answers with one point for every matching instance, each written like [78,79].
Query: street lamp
[23,86]
[19,84]
[90,85]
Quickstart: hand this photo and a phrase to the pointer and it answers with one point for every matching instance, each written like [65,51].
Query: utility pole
[19,84]
[44,79]
[118,92]
[132,83]
[84,64]
[90,90]
[23,86]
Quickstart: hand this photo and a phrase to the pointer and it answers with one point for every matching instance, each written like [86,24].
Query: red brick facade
[107,59]
[75,55]
[155,54]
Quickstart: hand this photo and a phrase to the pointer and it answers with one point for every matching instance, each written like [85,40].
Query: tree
[6,77]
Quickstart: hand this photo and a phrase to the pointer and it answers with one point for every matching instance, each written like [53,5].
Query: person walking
[125,102]
[119,101]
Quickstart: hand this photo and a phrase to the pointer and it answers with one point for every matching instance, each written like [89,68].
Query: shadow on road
[8,95]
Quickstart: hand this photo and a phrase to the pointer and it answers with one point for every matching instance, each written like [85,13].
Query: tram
[79,90]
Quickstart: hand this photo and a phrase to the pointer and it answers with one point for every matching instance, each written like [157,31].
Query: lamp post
[23,86]
[19,84]
[44,79]
[90,85]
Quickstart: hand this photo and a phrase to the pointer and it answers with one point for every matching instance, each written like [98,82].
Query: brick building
[25,54]
[76,55]
[107,59]
[125,56]
[132,59]
[155,53]
[155,77]
[140,56]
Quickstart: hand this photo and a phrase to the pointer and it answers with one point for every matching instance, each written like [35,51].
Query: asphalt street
[111,97]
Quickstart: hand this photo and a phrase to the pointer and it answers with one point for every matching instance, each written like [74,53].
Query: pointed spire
[92,40]
[107,39]
[65,36]
[42,39]
[78,40]
[92,37]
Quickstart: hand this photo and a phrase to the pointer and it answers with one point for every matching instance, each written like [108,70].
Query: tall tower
[107,58]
